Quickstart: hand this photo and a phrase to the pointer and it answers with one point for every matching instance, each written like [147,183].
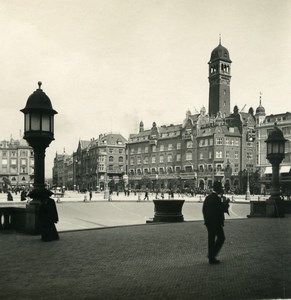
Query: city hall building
[218,145]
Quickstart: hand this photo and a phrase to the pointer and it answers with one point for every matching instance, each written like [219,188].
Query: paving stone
[157,261]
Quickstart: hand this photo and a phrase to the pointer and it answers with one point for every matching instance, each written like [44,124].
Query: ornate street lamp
[38,132]
[275,155]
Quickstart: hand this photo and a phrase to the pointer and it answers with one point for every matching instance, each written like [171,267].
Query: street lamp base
[275,208]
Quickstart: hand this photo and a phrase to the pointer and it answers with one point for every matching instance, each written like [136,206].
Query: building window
[4,153]
[110,150]
[139,160]
[161,170]
[170,157]
[218,167]
[120,151]
[237,142]
[218,154]
[132,151]
[226,141]
[189,155]
[189,144]
[201,168]
[13,161]
[210,155]
[153,159]
[131,161]
[236,154]
[201,155]
[139,150]
[146,150]
[210,142]
[227,154]
[111,158]
[219,141]
[249,155]
[177,169]
[110,168]
[170,147]
[178,146]
[145,160]
[154,148]
[120,159]
[236,168]
[161,158]
[178,158]
[162,147]
[170,170]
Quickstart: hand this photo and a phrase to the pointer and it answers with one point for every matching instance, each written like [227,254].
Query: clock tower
[219,81]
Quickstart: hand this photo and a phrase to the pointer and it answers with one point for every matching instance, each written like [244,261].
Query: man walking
[213,213]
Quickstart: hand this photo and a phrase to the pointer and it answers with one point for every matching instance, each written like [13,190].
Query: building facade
[17,163]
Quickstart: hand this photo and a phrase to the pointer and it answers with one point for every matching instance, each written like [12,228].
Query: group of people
[23,195]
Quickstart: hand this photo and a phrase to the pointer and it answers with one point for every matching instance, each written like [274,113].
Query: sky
[106,65]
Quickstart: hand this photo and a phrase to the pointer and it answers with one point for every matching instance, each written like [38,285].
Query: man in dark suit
[213,213]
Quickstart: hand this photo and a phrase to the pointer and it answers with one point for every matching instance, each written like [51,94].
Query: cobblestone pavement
[154,261]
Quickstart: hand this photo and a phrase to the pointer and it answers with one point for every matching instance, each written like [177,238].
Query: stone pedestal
[168,211]
[32,222]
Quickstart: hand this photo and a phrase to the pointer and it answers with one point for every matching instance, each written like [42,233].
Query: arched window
[120,159]
[110,158]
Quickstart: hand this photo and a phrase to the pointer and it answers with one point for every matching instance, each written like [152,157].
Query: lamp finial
[39,84]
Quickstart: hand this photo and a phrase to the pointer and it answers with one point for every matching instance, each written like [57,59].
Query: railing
[12,218]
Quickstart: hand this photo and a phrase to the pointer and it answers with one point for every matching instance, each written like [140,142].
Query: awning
[268,170]
[284,169]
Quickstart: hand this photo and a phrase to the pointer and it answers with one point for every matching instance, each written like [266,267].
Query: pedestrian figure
[213,213]
[9,196]
[48,216]
[146,195]
[90,195]
[85,197]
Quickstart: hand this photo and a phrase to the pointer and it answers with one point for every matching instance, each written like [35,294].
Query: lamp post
[248,194]
[38,132]
[275,155]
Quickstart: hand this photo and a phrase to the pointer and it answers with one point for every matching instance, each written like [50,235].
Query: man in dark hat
[213,213]
[48,217]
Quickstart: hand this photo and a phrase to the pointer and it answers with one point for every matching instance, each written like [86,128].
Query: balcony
[12,218]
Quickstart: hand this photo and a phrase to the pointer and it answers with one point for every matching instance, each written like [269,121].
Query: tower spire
[261,98]
[219,39]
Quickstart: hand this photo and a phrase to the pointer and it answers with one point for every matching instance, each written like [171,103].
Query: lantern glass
[269,148]
[275,148]
[45,122]
[52,124]
[27,122]
[35,121]
[281,148]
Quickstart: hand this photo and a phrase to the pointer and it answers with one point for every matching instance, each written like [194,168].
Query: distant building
[94,164]
[265,123]
[17,163]
[63,171]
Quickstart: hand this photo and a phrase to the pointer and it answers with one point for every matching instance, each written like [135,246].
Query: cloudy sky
[108,64]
